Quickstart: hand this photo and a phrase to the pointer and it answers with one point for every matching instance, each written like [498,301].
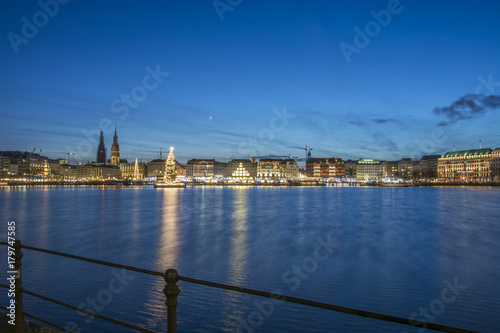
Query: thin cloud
[383,121]
[358,123]
[467,107]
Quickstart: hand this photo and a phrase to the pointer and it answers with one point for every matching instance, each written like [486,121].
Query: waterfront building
[405,168]
[4,166]
[55,169]
[29,165]
[495,165]
[204,168]
[109,172]
[368,170]
[14,170]
[180,170]
[350,169]
[466,166]
[427,168]
[199,168]
[84,172]
[68,172]
[219,168]
[291,169]
[326,168]
[389,169]
[133,171]
[156,169]
[240,168]
[101,150]
[277,168]
[97,172]
[115,150]
[39,166]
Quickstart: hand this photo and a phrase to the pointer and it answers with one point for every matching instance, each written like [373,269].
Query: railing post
[171,290]
[20,322]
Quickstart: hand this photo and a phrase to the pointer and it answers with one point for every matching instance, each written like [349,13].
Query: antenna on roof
[480,144]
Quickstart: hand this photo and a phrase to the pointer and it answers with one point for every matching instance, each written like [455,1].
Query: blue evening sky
[249,77]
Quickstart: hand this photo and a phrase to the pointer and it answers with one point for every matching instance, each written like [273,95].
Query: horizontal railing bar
[43,321]
[95,261]
[361,313]
[337,308]
[112,320]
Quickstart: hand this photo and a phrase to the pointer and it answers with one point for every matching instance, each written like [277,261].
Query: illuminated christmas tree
[136,170]
[170,174]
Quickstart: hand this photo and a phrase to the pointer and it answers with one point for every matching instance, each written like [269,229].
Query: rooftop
[368,161]
[464,153]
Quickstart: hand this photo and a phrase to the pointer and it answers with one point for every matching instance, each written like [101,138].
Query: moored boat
[394,185]
[169,185]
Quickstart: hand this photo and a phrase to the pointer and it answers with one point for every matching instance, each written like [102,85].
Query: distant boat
[394,185]
[172,185]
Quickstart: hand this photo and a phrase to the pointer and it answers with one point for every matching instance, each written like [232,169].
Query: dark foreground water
[426,253]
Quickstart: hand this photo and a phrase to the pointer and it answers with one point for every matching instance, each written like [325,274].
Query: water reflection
[166,256]
[135,218]
[169,241]
[239,247]
[44,217]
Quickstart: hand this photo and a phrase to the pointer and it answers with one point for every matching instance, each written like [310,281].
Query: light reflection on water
[397,246]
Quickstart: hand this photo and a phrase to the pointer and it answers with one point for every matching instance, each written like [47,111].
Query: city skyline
[384,79]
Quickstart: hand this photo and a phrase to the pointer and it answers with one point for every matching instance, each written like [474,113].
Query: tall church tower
[115,150]
[101,150]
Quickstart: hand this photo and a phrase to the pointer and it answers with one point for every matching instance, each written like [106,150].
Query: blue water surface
[430,254]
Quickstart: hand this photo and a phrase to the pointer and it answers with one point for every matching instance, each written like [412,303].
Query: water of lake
[427,253]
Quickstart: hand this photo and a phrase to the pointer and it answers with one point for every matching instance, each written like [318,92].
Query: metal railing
[171,292]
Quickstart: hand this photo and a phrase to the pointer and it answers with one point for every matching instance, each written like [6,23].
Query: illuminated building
[389,169]
[495,165]
[219,169]
[241,168]
[200,168]
[68,172]
[292,170]
[427,168]
[350,169]
[97,172]
[27,165]
[327,168]
[196,168]
[466,166]
[277,168]
[133,171]
[4,166]
[115,150]
[101,150]
[405,168]
[368,170]
[156,169]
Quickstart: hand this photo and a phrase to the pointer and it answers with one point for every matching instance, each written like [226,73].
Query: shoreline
[335,185]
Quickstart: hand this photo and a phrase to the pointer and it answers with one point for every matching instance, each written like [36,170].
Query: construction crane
[60,152]
[307,149]
[275,156]
[152,151]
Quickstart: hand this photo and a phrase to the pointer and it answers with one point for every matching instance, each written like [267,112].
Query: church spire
[115,150]
[101,150]
[115,141]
